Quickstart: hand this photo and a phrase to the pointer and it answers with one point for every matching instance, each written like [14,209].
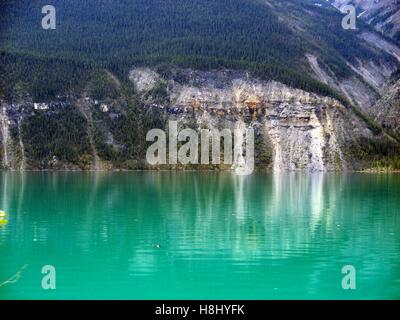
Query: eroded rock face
[384,15]
[239,93]
[294,129]
[303,138]
[143,78]
[5,137]
[389,109]
[367,83]
[300,127]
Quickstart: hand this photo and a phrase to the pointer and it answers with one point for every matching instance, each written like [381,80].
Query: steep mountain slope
[362,77]
[389,108]
[84,95]
[383,15]
[269,37]
[294,129]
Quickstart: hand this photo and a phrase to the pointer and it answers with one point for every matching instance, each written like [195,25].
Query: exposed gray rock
[304,130]
[384,15]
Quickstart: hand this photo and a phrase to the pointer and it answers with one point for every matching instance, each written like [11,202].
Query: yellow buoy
[3,220]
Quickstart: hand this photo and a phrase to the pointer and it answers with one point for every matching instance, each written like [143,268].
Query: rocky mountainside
[361,78]
[383,15]
[295,129]
[389,108]
[85,95]
[271,38]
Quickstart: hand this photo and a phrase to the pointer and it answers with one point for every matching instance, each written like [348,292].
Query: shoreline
[380,171]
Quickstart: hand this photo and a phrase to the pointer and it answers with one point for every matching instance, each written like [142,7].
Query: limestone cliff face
[294,129]
[7,151]
[304,131]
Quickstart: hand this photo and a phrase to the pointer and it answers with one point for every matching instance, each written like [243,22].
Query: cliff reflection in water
[260,236]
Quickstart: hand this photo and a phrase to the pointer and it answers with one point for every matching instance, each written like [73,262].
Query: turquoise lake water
[203,235]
